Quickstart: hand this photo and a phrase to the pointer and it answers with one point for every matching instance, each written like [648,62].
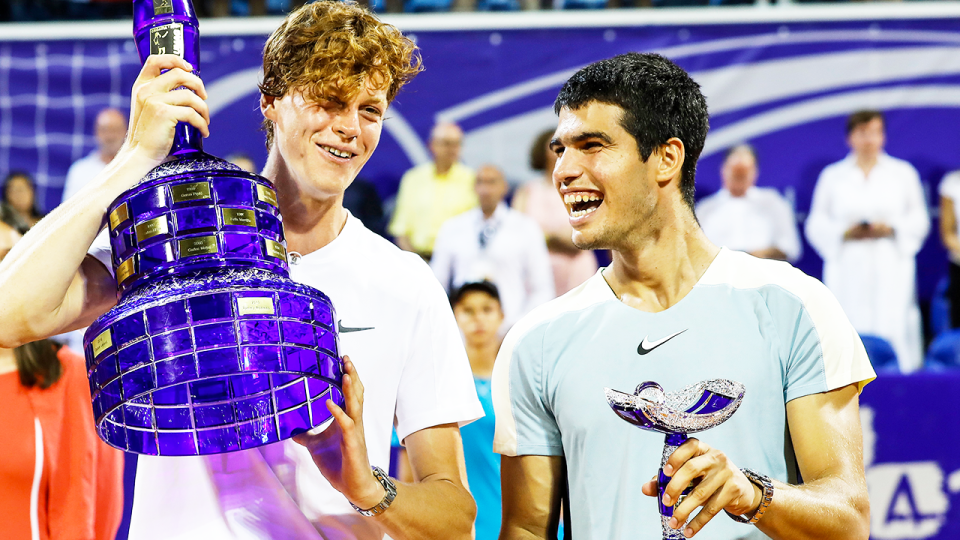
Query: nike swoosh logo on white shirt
[647,346]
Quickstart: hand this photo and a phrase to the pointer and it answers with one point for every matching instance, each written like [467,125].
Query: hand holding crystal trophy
[697,407]
[212,347]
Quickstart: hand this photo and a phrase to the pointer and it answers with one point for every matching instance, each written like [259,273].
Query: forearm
[431,509]
[828,508]
[39,272]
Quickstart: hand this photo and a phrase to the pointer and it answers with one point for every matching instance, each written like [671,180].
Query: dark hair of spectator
[37,363]
[742,146]
[538,152]
[7,213]
[484,287]
[860,118]
[659,101]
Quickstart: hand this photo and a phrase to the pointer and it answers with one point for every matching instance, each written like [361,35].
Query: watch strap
[766,496]
[390,494]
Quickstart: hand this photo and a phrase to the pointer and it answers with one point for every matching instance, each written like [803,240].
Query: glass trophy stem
[171,27]
[670,444]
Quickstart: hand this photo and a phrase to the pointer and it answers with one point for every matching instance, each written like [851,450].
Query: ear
[268,107]
[672,154]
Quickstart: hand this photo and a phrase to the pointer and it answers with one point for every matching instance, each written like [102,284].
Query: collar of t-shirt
[338,247]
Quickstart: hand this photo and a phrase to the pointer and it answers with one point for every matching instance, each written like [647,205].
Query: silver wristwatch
[766,487]
[391,493]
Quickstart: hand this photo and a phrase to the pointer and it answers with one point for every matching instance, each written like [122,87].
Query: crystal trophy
[212,347]
[697,407]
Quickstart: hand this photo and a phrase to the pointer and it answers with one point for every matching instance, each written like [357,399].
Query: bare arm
[531,487]
[948,227]
[832,502]
[437,505]
[47,282]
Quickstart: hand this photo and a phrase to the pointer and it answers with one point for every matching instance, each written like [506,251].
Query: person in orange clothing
[58,480]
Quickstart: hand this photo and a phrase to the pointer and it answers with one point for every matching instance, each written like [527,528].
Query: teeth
[580,197]
[336,152]
[580,213]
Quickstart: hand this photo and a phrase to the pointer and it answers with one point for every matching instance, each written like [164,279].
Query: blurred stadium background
[783,77]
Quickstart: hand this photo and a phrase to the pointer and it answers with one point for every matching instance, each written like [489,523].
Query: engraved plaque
[167,39]
[101,343]
[151,228]
[125,270]
[119,215]
[200,245]
[267,195]
[190,192]
[161,7]
[239,216]
[275,249]
[255,306]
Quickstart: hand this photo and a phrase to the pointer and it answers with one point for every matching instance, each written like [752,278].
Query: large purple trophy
[212,347]
[696,408]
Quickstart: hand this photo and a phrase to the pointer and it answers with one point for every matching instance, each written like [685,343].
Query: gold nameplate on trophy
[275,249]
[198,245]
[119,215]
[239,216]
[190,192]
[267,195]
[101,343]
[151,228]
[125,269]
[255,306]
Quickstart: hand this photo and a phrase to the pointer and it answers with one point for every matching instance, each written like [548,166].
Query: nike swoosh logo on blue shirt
[344,329]
[647,346]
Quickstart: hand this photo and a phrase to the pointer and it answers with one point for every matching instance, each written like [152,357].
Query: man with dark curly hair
[330,72]
[675,309]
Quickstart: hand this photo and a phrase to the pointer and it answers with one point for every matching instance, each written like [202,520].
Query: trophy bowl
[695,408]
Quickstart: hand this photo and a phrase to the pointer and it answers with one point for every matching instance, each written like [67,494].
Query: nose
[566,170]
[347,124]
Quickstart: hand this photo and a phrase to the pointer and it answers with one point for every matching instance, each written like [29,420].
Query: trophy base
[213,362]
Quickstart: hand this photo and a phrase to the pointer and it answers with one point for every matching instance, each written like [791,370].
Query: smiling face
[324,144]
[609,192]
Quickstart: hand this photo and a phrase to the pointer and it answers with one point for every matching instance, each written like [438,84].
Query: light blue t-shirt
[483,466]
[762,323]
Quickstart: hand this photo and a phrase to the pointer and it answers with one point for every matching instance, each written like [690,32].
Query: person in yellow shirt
[432,193]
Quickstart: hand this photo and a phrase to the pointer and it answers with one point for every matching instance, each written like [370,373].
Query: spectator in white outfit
[495,243]
[109,130]
[745,217]
[867,221]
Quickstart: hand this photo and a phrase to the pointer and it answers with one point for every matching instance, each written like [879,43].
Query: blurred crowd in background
[46,10]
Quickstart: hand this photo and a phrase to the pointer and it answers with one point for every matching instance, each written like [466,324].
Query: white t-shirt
[415,374]
[760,219]
[950,188]
[82,171]
[512,254]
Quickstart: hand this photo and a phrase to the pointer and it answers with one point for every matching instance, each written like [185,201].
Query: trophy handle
[670,444]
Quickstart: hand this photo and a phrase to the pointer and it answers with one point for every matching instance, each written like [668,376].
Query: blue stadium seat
[944,352]
[881,354]
[940,308]
[498,5]
[584,4]
[426,6]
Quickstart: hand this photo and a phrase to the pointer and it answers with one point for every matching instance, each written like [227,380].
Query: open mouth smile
[582,204]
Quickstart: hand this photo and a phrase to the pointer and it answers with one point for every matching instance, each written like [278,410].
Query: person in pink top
[540,200]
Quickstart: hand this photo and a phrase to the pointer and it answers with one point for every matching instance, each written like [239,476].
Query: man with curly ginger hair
[330,72]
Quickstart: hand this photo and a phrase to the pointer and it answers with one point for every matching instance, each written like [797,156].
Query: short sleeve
[524,423]
[436,385]
[100,250]
[819,348]
[950,186]
[400,223]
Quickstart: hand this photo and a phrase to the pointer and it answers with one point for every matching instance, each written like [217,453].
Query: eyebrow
[584,137]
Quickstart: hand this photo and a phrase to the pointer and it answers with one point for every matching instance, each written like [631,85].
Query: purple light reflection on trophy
[212,348]
[697,407]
